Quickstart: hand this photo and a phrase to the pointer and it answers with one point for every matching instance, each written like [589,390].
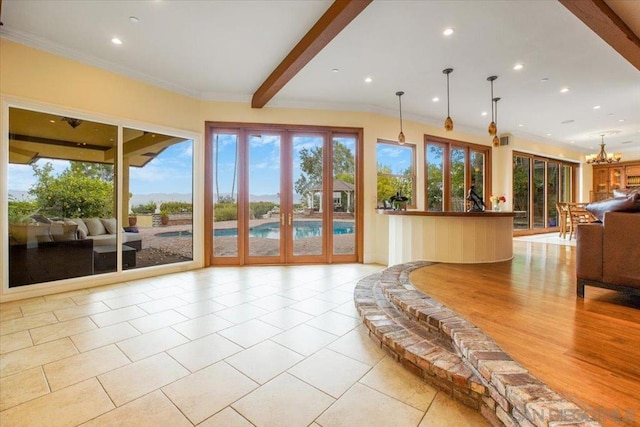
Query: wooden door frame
[241,129]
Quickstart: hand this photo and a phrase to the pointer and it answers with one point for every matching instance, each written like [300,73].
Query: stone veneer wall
[455,356]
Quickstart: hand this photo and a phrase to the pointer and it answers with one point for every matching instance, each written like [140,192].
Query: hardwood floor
[587,350]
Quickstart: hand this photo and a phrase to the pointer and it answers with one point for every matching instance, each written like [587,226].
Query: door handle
[290,219]
[282,219]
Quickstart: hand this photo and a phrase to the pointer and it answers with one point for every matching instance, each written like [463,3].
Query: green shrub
[225,212]
[176,207]
[21,211]
[144,208]
[257,209]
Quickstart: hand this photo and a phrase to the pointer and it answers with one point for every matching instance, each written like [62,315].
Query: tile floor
[263,346]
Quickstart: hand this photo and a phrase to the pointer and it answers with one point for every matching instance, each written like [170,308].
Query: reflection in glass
[435,178]
[458,192]
[264,191]
[225,194]
[62,207]
[158,176]
[521,195]
[344,195]
[308,190]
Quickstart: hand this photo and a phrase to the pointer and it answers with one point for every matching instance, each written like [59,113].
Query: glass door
[265,219]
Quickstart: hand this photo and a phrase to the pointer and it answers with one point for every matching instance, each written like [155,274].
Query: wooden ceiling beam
[598,16]
[334,20]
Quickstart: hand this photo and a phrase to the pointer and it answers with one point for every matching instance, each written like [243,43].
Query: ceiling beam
[598,16]
[334,20]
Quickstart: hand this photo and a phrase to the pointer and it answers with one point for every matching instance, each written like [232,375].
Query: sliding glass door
[538,185]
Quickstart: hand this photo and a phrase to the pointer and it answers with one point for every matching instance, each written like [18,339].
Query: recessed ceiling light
[544,79]
[484,113]
[597,107]
[116,40]
[610,114]
[573,142]
[52,121]
[368,79]
[448,31]
[620,120]
[564,90]
[518,67]
[565,122]
[520,126]
[133,19]
[435,99]
[548,134]
[335,70]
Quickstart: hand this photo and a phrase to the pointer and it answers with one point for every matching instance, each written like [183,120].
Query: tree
[389,184]
[99,171]
[72,193]
[311,167]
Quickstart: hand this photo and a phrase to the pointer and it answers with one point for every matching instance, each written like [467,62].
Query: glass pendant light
[448,123]
[493,129]
[401,134]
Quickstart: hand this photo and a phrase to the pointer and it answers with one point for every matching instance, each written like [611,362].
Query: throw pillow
[61,231]
[617,204]
[111,225]
[624,192]
[95,226]
[82,227]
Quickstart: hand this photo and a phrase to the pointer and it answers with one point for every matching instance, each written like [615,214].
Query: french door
[291,198]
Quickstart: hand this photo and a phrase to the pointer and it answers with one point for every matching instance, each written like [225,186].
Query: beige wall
[34,75]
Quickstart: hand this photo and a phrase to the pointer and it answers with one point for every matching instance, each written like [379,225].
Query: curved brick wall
[455,356]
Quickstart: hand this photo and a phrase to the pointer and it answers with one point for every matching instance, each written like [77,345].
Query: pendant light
[448,123]
[493,130]
[496,140]
[401,134]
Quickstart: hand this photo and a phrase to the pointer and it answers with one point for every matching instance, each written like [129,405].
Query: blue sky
[396,157]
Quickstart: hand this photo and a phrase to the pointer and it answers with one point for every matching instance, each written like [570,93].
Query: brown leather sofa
[608,253]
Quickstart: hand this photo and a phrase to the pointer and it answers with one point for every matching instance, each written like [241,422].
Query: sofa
[45,250]
[608,251]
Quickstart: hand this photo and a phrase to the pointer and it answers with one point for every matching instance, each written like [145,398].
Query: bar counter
[454,237]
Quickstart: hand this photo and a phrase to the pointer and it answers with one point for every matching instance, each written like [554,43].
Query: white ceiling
[224,50]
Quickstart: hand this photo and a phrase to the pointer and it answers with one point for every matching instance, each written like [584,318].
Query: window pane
[553,170]
[435,178]
[458,192]
[158,178]
[62,201]
[538,193]
[225,194]
[308,194]
[521,185]
[344,195]
[565,179]
[477,173]
[395,172]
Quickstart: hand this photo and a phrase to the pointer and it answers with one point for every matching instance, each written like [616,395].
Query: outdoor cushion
[61,231]
[82,227]
[95,226]
[110,225]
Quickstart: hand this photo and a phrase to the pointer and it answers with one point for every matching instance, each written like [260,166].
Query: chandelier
[602,156]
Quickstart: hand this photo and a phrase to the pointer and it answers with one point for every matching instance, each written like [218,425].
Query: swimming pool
[271,230]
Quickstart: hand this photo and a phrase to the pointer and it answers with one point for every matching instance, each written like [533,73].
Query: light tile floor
[263,346]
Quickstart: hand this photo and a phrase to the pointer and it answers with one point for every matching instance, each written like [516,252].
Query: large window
[83,204]
[539,183]
[396,172]
[452,167]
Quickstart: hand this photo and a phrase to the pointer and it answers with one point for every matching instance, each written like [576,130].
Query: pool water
[271,230]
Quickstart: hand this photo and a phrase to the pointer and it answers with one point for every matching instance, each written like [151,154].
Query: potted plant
[164,217]
[133,219]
